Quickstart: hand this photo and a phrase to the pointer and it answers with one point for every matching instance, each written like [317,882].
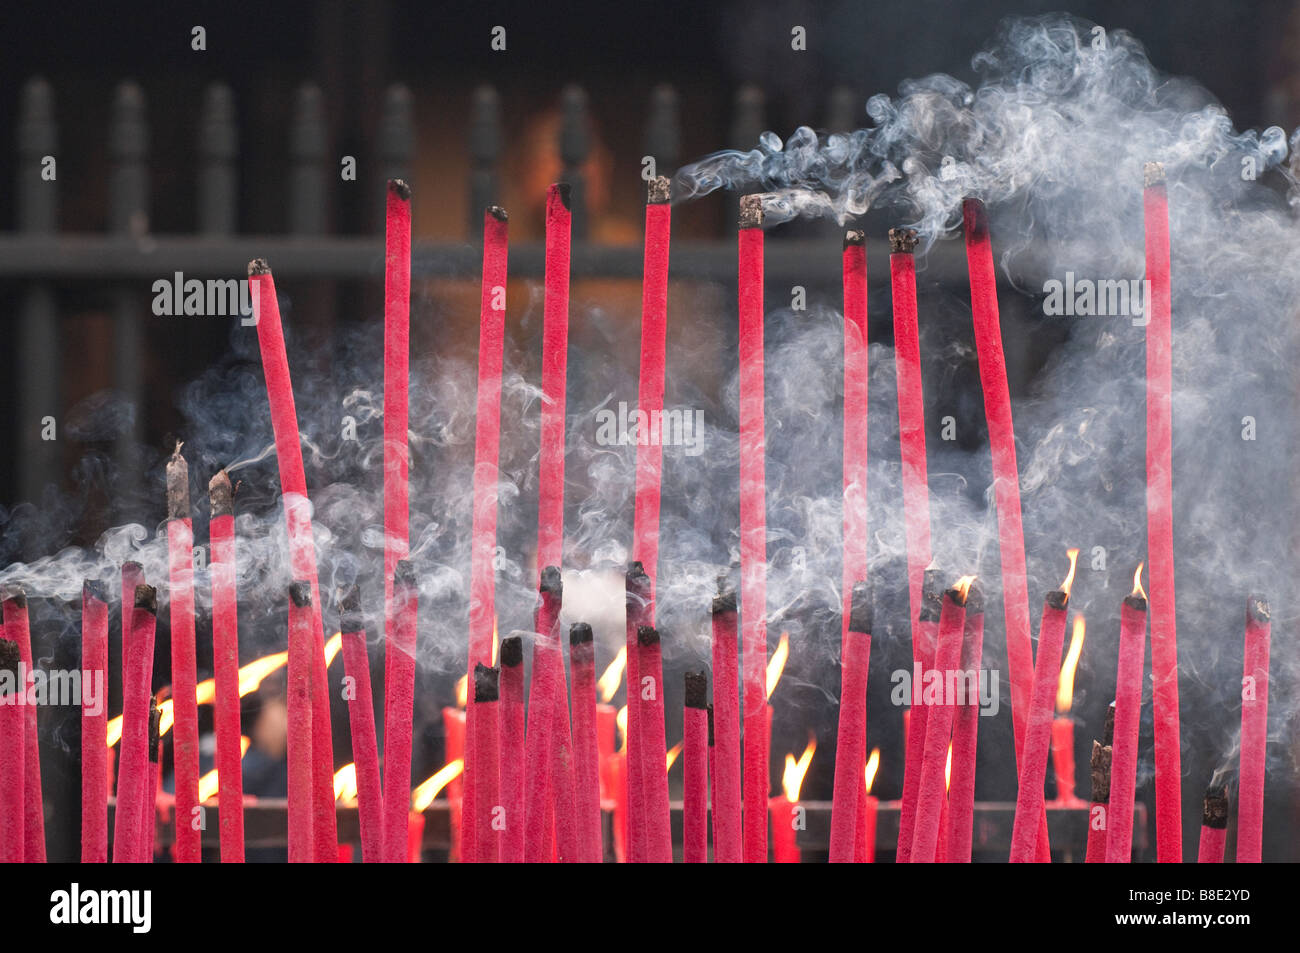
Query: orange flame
[1065,690]
[873,765]
[776,664]
[425,793]
[793,775]
[345,784]
[673,752]
[621,720]
[613,676]
[947,768]
[1137,583]
[1069,579]
[209,784]
[462,691]
[963,586]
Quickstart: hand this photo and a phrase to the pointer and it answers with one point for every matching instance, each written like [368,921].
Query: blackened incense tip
[580,634]
[710,726]
[146,598]
[131,567]
[975,218]
[178,486]
[724,602]
[860,608]
[400,189]
[404,573]
[1136,602]
[512,651]
[10,657]
[1100,769]
[350,616]
[902,241]
[974,599]
[259,266]
[956,596]
[931,596]
[647,635]
[12,592]
[487,683]
[94,589]
[638,583]
[300,593]
[155,731]
[1057,599]
[658,191]
[1153,173]
[751,211]
[221,495]
[697,690]
[551,582]
[1108,729]
[564,192]
[497,212]
[1257,609]
[1215,811]
[854,237]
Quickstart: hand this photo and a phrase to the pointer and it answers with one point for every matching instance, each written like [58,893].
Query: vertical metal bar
[663,136]
[484,148]
[307,198]
[218,147]
[575,143]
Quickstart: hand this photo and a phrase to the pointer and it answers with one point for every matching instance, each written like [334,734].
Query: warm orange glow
[495,645]
[947,768]
[963,586]
[345,784]
[425,794]
[462,691]
[673,752]
[1137,583]
[332,647]
[1069,579]
[209,784]
[1065,690]
[873,765]
[792,777]
[621,720]
[613,676]
[776,664]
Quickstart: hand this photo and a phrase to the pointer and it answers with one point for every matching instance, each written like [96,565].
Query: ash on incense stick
[1215,810]
[1100,765]
[697,690]
[512,651]
[486,683]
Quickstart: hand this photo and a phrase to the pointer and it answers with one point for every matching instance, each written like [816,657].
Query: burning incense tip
[10,657]
[404,573]
[647,635]
[658,191]
[94,589]
[155,729]
[1215,812]
[697,690]
[512,651]
[902,241]
[932,596]
[751,211]
[350,617]
[1101,757]
[564,191]
[258,266]
[15,594]
[579,633]
[958,592]
[974,599]
[1257,609]
[497,212]
[178,486]
[552,582]
[860,608]
[146,598]
[300,593]
[855,236]
[1153,173]
[487,683]
[399,188]
[724,602]
[1108,732]
[221,495]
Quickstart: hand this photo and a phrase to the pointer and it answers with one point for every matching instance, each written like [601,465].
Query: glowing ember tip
[963,587]
[1137,583]
[1065,688]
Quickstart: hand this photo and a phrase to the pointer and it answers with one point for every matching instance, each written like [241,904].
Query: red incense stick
[924,636]
[1128,715]
[133,761]
[185,730]
[1099,808]
[1254,733]
[225,651]
[654,769]
[149,805]
[932,792]
[555,351]
[512,749]
[17,629]
[300,737]
[695,769]
[399,710]
[965,734]
[543,696]
[1028,831]
[1214,827]
[1160,520]
[851,740]
[854,265]
[486,746]
[727,847]
[753,530]
[637,600]
[12,745]
[582,663]
[302,549]
[361,721]
[94,727]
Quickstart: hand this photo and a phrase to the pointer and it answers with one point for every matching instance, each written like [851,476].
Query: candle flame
[613,676]
[776,664]
[1137,583]
[462,691]
[1069,579]
[963,586]
[345,784]
[792,777]
[621,720]
[210,783]
[1065,690]
[947,769]
[873,765]
[425,794]
[673,752]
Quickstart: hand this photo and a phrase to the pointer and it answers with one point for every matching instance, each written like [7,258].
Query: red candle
[850,751]
[654,770]
[300,738]
[133,770]
[695,770]
[414,837]
[965,734]
[512,749]
[787,814]
[399,710]
[12,742]
[586,757]
[727,844]
[225,654]
[361,722]
[753,530]
[1214,827]
[1099,809]
[94,727]
[1254,733]
[1026,834]
[1128,713]
[1063,724]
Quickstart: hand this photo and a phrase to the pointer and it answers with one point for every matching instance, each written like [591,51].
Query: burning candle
[399,710]
[1128,713]
[965,733]
[225,654]
[1063,724]
[695,770]
[850,751]
[1254,733]
[511,765]
[787,814]
[582,663]
[94,727]
[361,722]
[12,741]
[865,851]
[1100,806]
[300,736]
[727,844]
[133,769]
[1026,832]
[1214,826]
